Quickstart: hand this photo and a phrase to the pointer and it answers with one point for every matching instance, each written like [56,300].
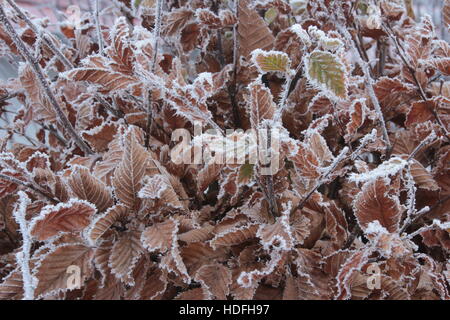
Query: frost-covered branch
[324,177]
[429,139]
[364,141]
[436,224]
[232,87]
[23,256]
[369,83]
[157,32]
[45,37]
[401,52]
[97,27]
[27,185]
[42,81]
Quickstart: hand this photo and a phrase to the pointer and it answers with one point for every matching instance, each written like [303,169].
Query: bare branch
[43,82]
[46,38]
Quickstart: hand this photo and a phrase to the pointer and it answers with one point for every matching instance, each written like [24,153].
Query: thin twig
[369,85]
[287,90]
[232,90]
[24,255]
[323,178]
[43,82]
[148,106]
[45,37]
[101,46]
[27,185]
[9,95]
[411,70]
[108,106]
[148,103]
[424,142]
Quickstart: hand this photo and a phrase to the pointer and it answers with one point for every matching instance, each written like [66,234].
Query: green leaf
[271,61]
[326,70]
[245,173]
[271,15]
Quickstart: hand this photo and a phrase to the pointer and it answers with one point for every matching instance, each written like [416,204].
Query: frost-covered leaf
[120,50]
[124,256]
[109,80]
[127,180]
[11,287]
[422,177]
[89,188]
[72,216]
[446,13]
[253,30]
[271,61]
[326,71]
[234,236]
[378,201]
[52,269]
[160,236]
[216,278]
[262,106]
[102,223]
[158,187]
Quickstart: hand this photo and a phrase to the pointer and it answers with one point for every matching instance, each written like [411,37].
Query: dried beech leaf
[446,13]
[124,256]
[52,269]
[376,202]
[253,30]
[234,236]
[105,221]
[72,216]
[11,287]
[216,278]
[107,79]
[89,188]
[127,180]
[159,187]
[160,236]
[422,177]
[262,105]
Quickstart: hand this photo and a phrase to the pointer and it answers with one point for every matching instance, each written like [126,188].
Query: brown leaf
[177,20]
[100,137]
[216,278]
[253,30]
[262,106]
[102,223]
[197,235]
[127,180]
[87,187]
[108,80]
[160,236]
[357,118]
[11,287]
[422,177]
[124,256]
[120,50]
[378,201]
[234,236]
[52,270]
[159,188]
[72,216]
[446,13]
